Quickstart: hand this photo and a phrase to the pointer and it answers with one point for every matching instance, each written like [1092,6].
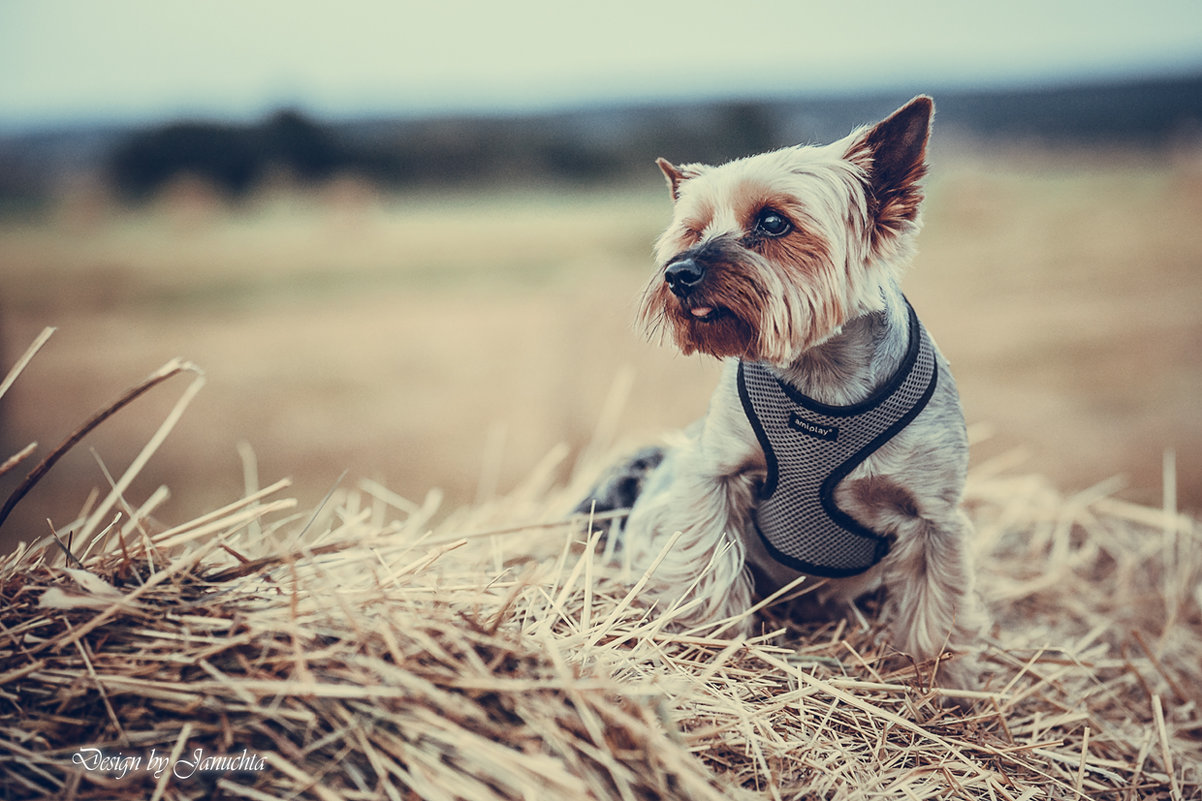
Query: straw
[351,652]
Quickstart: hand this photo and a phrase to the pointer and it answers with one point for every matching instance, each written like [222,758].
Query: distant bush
[232,158]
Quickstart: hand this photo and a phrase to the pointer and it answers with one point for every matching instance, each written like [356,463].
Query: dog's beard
[746,309]
[721,319]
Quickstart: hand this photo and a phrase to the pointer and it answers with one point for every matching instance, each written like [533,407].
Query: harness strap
[810,447]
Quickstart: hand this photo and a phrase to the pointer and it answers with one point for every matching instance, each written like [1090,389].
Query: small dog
[834,445]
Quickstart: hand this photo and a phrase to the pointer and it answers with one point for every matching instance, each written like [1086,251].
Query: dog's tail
[620,485]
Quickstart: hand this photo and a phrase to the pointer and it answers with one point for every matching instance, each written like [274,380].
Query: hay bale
[257,653]
[356,652]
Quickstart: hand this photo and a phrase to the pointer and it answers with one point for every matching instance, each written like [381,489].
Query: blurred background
[406,240]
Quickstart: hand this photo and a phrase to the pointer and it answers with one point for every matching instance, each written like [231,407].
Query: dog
[834,445]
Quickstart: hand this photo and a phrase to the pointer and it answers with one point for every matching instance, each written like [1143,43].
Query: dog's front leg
[699,501]
[932,602]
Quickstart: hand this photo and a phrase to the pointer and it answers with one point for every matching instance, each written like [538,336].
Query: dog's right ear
[677,175]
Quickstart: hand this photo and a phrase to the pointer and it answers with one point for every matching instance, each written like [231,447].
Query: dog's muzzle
[683,276]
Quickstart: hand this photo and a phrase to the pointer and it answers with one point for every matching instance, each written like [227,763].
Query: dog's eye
[772,223]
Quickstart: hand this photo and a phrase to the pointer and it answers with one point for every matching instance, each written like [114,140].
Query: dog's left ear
[893,153]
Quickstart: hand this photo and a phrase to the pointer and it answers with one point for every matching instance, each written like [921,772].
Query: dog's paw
[619,487]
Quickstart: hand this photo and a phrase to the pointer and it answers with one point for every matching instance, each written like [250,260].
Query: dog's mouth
[700,325]
[707,314]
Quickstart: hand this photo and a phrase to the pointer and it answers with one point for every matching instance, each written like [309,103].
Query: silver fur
[703,493]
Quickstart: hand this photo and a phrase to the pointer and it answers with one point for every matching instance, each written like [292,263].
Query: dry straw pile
[355,652]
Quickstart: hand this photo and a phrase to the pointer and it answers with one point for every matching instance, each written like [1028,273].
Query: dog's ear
[893,152]
[677,175]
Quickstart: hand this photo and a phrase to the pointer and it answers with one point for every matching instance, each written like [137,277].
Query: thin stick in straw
[25,359]
[172,368]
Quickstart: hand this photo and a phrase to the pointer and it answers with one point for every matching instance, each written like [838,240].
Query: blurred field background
[440,303]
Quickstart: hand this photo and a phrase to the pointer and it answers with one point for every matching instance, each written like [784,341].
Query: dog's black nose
[683,276]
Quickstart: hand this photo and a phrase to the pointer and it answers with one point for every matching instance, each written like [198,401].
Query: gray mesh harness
[810,447]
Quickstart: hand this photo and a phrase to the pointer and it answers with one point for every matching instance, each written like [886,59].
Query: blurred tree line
[608,144]
[578,147]
[581,146]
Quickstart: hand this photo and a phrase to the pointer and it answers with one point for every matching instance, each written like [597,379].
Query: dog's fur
[813,293]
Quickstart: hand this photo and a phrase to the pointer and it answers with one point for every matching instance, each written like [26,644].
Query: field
[450,341]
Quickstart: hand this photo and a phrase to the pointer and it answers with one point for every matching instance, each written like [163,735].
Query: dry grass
[358,652]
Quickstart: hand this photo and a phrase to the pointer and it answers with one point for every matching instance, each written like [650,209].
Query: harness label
[812,429]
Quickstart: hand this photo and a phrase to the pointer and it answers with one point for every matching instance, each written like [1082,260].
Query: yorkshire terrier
[834,445]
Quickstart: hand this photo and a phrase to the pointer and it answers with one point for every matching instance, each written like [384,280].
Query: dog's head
[770,255]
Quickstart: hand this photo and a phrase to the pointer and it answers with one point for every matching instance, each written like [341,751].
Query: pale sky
[64,60]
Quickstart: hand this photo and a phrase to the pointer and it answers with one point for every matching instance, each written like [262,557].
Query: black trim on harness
[841,471]
[881,394]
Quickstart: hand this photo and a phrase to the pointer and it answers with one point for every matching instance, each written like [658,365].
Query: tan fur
[820,304]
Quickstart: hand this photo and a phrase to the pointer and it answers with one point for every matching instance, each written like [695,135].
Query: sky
[140,60]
